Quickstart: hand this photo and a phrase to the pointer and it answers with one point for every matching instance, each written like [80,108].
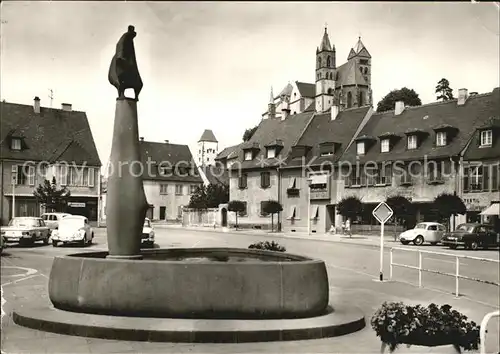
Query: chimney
[36,105]
[141,138]
[462,96]
[399,108]
[286,111]
[66,107]
[334,112]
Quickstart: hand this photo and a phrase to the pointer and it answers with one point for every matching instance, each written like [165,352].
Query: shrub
[268,246]
[396,323]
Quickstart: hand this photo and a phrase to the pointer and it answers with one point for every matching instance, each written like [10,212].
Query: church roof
[359,49]
[348,74]
[325,43]
[208,136]
[287,91]
[306,89]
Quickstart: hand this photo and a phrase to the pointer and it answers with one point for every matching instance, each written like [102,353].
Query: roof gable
[46,133]
[306,89]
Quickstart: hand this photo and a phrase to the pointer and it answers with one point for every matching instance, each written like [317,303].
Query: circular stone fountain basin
[192,283]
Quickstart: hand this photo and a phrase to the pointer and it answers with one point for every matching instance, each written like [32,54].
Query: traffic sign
[382,212]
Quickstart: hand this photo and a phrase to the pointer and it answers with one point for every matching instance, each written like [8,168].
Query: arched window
[330,91]
[331,76]
[360,99]
[319,62]
[349,99]
[366,71]
[328,61]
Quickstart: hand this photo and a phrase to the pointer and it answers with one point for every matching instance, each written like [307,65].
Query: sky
[210,65]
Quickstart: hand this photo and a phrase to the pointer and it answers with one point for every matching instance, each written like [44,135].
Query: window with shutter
[466,179]
[495,177]
[262,208]
[91,172]
[265,179]
[486,178]
[242,181]
[31,175]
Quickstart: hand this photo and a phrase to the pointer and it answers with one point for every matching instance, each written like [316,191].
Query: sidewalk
[373,241]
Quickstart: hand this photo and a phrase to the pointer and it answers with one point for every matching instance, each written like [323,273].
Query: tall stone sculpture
[126,201]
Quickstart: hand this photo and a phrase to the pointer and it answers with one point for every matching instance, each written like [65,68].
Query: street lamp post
[309,180]
[14,181]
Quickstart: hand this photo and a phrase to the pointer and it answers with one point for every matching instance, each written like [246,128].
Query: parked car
[431,232]
[472,236]
[148,234]
[2,242]
[73,229]
[52,219]
[26,230]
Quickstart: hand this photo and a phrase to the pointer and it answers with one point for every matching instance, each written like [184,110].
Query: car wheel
[46,240]
[82,243]
[91,239]
[419,240]
[405,242]
[434,243]
[54,243]
[474,245]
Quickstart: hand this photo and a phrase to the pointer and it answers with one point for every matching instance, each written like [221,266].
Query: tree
[402,209]
[238,207]
[272,207]
[443,90]
[447,205]
[249,133]
[350,207]
[408,96]
[210,196]
[52,198]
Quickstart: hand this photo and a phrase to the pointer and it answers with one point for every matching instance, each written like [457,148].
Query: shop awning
[493,209]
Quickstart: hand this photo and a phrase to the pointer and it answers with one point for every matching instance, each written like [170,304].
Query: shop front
[85,206]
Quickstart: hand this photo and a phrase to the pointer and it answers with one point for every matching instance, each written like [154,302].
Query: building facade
[170,178]
[208,148]
[40,143]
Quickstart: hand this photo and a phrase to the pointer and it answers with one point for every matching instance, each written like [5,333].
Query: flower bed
[396,323]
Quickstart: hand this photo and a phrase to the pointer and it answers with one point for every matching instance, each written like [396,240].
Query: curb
[348,319]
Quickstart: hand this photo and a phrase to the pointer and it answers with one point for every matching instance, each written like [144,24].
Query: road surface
[352,270]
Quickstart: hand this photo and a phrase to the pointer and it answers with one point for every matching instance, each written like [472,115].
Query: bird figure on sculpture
[123,70]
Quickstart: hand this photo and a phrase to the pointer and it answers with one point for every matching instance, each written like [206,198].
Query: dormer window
[248,155]
[486,137]
[412,142]
[384,145]
[15,144]
[271,153]
[441,138]
[361,148]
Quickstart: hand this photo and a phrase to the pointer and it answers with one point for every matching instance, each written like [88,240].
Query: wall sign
[76,205]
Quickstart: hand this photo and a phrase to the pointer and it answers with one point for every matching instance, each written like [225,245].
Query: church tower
[360,60]
[208,148]
[325,74]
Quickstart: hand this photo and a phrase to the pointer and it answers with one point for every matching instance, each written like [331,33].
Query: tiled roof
[53,134]
[476,110]
[311,108]
[288,131]
[208,136]
[228,153]
[216,174]
[287,91]
[323,129]
[306,89]
[474,151]
[349,74]
[167,155]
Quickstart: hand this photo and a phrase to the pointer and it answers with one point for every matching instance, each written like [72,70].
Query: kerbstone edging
[346,319]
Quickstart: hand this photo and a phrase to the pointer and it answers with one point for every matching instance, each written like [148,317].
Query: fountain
[178,295]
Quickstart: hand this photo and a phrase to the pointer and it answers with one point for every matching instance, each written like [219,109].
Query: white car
[148,234]
[52,219]
[73,229]
[431,232]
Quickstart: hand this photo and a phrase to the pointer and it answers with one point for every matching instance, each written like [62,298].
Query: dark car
[472,236]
